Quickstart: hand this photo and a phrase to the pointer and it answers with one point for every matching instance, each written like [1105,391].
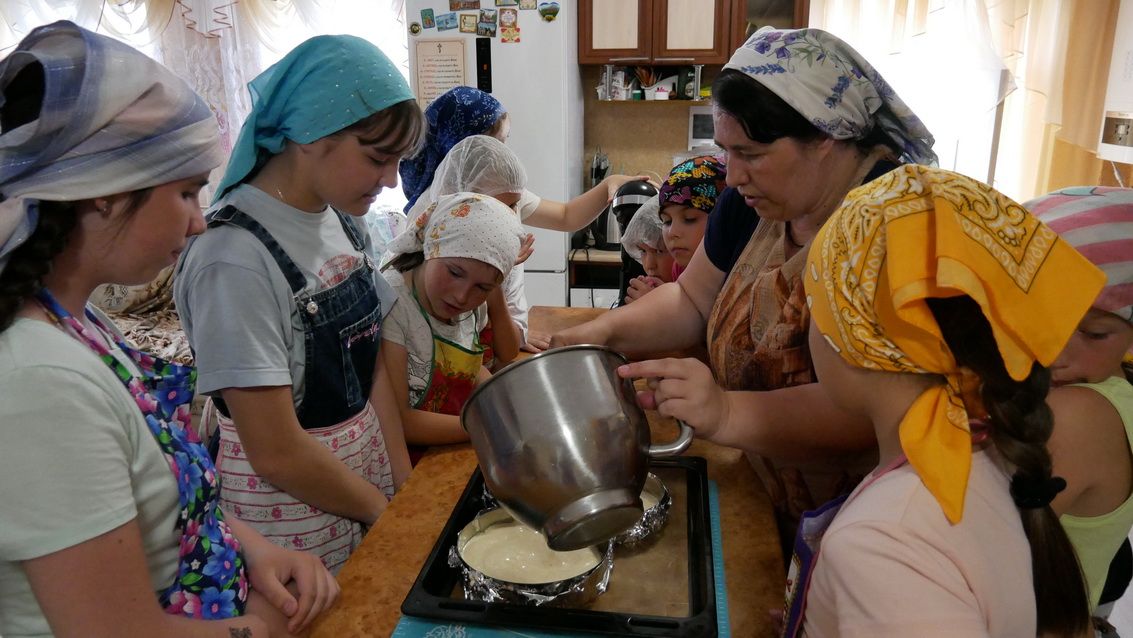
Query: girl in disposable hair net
[482,164]
[464,111]
[936,305]
[445,266]
[282,300]
[1093,397]
[644,242]
[108,500]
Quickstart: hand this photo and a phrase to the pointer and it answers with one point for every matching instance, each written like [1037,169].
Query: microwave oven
[700,128]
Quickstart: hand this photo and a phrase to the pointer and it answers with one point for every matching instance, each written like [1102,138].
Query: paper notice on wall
[440,66]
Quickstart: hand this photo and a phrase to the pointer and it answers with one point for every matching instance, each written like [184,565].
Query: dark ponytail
[1020,425]
[23,276]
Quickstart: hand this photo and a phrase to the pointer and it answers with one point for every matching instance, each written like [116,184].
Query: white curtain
[984,75]
[218,46]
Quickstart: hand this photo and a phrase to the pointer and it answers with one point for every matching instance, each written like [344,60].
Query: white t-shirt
[77,461]
[236,305]
[892,565]
[515,294]
[408,326]
[527,204]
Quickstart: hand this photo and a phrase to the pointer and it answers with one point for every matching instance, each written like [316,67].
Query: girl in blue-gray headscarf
[109,503]
[283,305]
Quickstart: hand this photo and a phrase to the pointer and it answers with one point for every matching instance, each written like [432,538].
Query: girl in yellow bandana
[936,303]
[444,267]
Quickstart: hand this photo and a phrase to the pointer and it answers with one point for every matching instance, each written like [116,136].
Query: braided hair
[1020,425]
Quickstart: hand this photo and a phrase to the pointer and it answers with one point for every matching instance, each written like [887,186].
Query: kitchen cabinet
[654,32]
[748,16]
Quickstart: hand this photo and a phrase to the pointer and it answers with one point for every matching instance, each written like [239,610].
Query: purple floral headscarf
[834,87]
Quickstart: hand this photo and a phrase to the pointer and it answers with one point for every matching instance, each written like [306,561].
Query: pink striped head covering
[1098,222]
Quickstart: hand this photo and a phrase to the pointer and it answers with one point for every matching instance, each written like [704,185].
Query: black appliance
[608,227]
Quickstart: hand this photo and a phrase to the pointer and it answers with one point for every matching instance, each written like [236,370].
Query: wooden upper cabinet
[691,31]
[748,16]
[615,31]
[644,32]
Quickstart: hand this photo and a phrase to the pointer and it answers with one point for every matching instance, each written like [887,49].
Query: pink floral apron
[285,520]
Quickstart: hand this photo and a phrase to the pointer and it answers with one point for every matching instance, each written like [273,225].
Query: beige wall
[640,137]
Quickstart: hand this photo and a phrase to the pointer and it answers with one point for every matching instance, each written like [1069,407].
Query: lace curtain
[217,46]
[1012,89]
[220,45]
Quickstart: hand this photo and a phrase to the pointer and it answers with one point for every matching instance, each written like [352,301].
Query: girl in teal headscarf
[282,303]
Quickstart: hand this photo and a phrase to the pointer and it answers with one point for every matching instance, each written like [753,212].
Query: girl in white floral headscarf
[445,266]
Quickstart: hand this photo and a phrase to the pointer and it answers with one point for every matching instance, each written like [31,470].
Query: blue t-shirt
[728,230]
[732,223]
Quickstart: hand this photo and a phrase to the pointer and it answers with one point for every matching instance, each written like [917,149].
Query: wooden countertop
[381,572]
[595,256]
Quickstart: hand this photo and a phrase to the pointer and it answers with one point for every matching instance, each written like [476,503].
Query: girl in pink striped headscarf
[1093,400]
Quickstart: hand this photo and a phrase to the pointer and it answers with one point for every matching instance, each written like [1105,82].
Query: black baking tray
[437,592]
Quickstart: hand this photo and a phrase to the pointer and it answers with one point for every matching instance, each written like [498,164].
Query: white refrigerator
[537,79]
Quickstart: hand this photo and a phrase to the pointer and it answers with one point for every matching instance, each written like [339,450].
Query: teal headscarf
[321,87]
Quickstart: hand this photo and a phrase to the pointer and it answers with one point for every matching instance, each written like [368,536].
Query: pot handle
[684,439]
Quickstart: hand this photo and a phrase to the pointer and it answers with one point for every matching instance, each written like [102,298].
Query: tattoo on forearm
[240,632]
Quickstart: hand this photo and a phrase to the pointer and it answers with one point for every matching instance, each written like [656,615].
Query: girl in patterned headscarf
[686,198]
[456,114]
[445,266]
[803,119]
[108,501]
[282,301]
[1093,396]
[936,304]
[484,165]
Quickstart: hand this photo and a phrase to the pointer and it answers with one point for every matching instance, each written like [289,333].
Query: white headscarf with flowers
[465,225]
[833,86]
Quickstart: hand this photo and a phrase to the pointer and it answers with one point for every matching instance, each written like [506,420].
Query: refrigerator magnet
[427,21]
[446,21]
[415,28]
[528,4]
[468,22]
[488,15]
[486,29]
[509,25]
[462,5]
[506,3]
[549,10]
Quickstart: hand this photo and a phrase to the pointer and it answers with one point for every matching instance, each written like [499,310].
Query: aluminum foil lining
[652,520]
[577,591]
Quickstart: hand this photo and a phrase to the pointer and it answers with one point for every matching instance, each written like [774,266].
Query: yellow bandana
[918,233]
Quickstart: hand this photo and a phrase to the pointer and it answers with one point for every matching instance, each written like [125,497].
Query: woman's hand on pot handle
[683,389]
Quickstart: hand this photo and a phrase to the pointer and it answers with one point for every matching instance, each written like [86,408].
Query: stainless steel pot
[563,444]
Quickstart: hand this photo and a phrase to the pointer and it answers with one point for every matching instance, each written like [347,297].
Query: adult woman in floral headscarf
[803,118]
[108,501]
